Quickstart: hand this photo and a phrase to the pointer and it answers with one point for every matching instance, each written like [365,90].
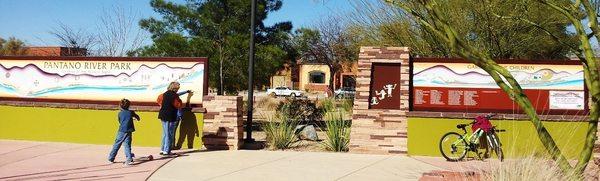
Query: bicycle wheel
[496,146]
[453,147]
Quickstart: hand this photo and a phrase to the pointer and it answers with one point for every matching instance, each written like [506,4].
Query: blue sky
[31,20]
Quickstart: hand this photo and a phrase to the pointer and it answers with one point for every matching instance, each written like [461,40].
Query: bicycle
[454,146]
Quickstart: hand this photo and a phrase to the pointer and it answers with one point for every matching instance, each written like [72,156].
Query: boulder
[306,132]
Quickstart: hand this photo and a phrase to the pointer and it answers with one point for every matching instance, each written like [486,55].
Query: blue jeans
[167,136]
[125,139]
[174,126]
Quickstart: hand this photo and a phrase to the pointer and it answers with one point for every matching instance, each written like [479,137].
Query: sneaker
[128,162]
[162,153]
[111,161]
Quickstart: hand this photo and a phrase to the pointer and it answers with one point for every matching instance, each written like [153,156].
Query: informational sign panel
[100,79]
[464,87]
[385,86]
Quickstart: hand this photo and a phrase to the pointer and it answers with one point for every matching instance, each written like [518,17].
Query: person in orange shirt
[169,104]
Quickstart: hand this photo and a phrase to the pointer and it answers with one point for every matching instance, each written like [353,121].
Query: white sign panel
[573,100]
[99,80]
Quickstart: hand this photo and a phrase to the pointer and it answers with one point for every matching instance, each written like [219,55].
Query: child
[179,116]
[124,134]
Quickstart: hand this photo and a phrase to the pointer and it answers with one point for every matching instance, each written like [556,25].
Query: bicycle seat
[461,126]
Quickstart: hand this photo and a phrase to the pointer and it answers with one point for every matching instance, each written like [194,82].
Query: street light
[251,75]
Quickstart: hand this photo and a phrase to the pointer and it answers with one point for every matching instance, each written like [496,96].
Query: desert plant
[300,110]
[338,132]
[327,104]
[267,103]
[528,168]
[280,131]
[347,105]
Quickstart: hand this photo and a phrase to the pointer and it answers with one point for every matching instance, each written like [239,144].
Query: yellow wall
[78,126]
[520,138]
[304,76]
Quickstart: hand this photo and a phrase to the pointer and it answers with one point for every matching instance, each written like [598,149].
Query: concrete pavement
[288,165]
[28,160]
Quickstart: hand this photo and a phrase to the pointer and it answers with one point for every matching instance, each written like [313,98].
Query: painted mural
[139,81]
[465,87]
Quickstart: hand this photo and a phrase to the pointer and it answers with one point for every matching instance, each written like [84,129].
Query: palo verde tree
[219,30]
[432,16]
[380,24]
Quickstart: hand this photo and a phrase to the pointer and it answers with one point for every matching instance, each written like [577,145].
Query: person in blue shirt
[179,116]
[124,134]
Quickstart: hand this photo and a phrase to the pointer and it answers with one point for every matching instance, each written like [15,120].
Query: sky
[31,20]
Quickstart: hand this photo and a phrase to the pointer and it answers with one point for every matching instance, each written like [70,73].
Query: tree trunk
[331,77]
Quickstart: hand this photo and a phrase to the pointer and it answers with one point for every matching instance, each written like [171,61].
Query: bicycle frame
[471,139]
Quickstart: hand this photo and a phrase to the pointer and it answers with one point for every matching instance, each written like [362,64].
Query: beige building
[314,77]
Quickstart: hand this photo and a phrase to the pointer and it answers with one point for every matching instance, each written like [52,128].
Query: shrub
[300,110]
[267,103]
[280,131]
[348,105]
[338,132]
[327,104]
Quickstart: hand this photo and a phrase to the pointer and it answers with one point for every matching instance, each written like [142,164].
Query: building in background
[314,77]
[55,51]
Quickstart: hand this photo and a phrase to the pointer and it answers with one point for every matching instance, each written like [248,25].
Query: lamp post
[251,74]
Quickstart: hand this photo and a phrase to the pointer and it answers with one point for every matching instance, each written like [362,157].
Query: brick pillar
[380,131]
[223,123]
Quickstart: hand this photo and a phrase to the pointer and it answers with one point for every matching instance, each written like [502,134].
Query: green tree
[12,46]
[475,22]
[219,30]
[432,16]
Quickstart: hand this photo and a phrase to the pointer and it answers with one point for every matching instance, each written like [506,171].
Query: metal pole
[251,74]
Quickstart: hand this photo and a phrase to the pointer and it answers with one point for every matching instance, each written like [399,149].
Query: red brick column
[223,124]
[376,130]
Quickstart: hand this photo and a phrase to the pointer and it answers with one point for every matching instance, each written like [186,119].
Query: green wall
[519,139]
[79,126]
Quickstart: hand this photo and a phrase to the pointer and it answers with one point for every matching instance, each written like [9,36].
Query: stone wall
[223,123]
[373,130]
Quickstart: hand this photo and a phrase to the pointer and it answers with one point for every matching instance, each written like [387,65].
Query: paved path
[27,160]
[288,165]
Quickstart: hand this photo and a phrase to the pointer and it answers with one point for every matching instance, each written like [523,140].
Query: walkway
[27,160]
[288,165]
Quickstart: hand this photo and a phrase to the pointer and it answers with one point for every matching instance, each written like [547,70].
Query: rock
[306,132]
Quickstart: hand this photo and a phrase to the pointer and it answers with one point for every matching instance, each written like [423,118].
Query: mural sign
[443,86]
[99,79]
[385,90]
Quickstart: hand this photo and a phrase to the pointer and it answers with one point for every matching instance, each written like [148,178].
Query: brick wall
[223,123]
[373,130]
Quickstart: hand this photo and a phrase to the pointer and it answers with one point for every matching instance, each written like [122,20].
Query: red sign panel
[385,86]
[463,87]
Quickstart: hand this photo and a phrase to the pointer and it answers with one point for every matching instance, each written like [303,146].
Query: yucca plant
[338,132]
[327,104]
[280,131]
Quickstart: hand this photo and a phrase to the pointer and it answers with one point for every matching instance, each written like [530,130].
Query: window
[317,77]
